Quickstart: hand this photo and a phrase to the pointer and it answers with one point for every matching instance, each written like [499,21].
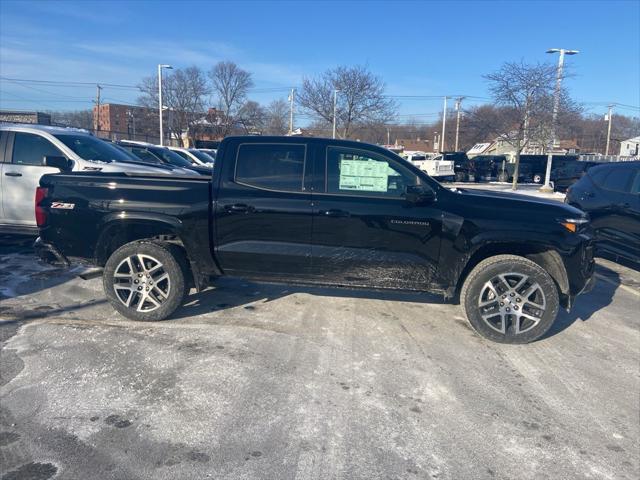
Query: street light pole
[609,115]
[444,123]
[335,104]
[554,117]
[160,107]
[458,103]
[291,100]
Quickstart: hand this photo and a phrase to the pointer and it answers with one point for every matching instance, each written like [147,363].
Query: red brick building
[118,122]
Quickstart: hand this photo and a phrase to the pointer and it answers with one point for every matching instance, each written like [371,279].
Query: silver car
[23,149]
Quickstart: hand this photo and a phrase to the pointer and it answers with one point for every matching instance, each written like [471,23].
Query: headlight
[573,224]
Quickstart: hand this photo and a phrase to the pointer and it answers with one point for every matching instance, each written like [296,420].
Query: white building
[630,148]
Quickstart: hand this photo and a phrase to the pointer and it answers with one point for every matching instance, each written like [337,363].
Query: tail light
[41,214]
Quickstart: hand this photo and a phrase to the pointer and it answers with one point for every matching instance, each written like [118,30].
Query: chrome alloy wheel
[512,303]
[141,282]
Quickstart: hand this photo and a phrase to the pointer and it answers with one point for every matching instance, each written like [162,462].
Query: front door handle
[13,174]
[335,213]
[238,208]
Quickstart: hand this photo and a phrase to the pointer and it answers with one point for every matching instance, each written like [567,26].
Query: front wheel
[510,299]
[146,280]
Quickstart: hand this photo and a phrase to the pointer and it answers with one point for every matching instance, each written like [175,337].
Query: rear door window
[30,149]
[271,166]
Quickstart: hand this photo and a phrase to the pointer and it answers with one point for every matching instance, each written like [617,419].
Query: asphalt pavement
[255,381]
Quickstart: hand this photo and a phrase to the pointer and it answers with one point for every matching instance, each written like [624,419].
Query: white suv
[23,149]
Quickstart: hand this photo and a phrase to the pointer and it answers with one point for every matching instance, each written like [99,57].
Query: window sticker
[364,175]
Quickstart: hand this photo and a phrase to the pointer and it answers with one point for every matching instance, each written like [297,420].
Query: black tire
[498,315]
[168,292]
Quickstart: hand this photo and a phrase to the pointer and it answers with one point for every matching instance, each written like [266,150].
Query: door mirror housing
[419,194]
[56,161]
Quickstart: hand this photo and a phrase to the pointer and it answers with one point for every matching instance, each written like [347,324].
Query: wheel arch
[543,255]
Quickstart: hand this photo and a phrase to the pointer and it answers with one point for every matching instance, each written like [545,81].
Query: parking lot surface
[254,381]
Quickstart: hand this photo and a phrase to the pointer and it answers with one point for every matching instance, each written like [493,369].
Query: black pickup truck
[319,211]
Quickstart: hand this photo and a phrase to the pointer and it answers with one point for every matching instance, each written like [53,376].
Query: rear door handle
[238,207]
[335,213]
[13,174]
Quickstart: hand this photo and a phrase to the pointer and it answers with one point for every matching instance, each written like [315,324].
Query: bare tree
[526,92]
[231,85]
[75,118]
[277,121]
[361,99]
[183,93]
[252,116]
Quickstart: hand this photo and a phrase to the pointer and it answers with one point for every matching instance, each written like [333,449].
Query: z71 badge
[63,206]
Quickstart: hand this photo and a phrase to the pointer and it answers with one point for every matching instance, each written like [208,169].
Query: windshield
[170,157]
[203,157]
[92,148]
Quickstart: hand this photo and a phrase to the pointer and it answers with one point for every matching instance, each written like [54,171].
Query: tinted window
[354,172]
[183,155]
[617,180]
[30,149]
[203,157]
[144,155]
[92,148]
[598,175]
[276,167]
[170,157]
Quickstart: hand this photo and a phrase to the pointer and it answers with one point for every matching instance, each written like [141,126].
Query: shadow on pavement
[232,292]
[589,303]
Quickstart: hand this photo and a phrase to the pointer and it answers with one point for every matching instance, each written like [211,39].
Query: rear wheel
[146,280]
[510,299]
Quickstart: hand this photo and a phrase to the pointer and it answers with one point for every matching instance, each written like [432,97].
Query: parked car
[610,194]
[209,151]
[194,156]
[154,154]
[463,167]
[330,212]
[537,165]
[29,151]
[487,167]
[565,174]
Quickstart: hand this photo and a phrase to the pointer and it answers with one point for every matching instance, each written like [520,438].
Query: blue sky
[418,48]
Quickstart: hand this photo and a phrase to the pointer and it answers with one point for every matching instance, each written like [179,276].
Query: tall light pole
[335,105]
[444,123]
[458,109]
[160,106]
[291,100]
[556,106]
[609,115]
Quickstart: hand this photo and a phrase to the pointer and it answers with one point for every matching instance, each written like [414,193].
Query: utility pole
[160,106]
[609,115]
[458,109]
[554,117]
[335,104]
[98,88]
[291,102]
[388,137]
[444,123]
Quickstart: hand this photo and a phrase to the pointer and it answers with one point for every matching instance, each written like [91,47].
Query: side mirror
[60,162]
[419,194]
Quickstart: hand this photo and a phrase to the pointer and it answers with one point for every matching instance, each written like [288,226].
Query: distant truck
[433,165]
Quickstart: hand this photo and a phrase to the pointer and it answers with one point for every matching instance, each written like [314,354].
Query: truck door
[364,231]
[263,211]
[21,174]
